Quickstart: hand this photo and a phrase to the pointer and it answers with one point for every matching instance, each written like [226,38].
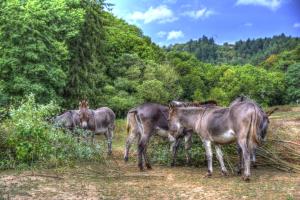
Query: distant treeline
[250,51]
[68,50]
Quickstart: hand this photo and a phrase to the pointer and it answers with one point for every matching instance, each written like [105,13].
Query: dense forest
[250,51]
[68,50]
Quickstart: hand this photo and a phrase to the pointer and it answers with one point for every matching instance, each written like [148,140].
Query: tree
[293,83]
[33,51]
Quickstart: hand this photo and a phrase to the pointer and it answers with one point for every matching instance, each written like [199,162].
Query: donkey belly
[162,132]
[100,131]
[224,138]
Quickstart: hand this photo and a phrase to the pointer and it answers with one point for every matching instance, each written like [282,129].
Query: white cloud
[248,24]
[161,14]
[297,25]
[170,1]
[162,34]
[197,14]
[173,35]
[271,4]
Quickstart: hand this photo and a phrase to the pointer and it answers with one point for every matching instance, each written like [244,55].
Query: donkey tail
[128,124]
[253,137]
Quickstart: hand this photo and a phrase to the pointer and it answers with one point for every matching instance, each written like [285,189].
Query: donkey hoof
[148,166]
[246,178]
[172,164]
[224,173]
[142,169]
[239,171]
[254,166]
[208,175]
[126,159]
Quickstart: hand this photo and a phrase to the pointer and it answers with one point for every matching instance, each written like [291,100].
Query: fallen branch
[285,141]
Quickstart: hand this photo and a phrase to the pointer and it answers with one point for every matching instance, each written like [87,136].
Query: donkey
[99,121]
[150,119]
[133,133]
[240,122]
[69,120]
[263,128]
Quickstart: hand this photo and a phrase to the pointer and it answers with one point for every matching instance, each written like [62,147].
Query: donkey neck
[188,116]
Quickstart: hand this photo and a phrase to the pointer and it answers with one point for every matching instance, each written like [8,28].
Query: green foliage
[33,49]
[242,52]
[69,50]
[86,67]
[263,86]
[293,83]
[27,138]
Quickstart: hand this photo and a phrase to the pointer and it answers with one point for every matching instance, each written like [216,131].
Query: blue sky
[175,21]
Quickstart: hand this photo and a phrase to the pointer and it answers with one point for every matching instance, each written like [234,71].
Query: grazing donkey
[149,119]
[69,120]
[99,121]
[240,122]
[263,128]
[133,133]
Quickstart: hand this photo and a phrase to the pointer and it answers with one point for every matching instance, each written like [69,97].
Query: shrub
[27,137]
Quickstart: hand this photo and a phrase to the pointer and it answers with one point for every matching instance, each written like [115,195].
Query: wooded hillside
[68,50]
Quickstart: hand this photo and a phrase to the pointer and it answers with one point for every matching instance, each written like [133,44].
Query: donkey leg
[141,149]
[174,146]
[129,142]
[187,147]
[209,156]
[246,158]
[240,166]
[108,134]
[253,158]
[92,138]
[221,161]
[146,158]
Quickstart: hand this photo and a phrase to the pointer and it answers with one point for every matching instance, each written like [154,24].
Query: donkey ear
[79,103]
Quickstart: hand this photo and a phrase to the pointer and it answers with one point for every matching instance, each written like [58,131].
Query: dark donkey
[134,132]
[240,122]
[99,121]
[151,119]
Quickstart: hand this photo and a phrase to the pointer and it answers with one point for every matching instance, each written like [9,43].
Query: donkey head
[84,113]
[175,127]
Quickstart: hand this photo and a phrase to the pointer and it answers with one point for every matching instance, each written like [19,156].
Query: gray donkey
[151,119]
[69,120]
[240,122]
[263,128]
[99,121]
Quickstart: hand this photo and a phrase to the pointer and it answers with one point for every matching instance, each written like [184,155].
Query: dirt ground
[117,180]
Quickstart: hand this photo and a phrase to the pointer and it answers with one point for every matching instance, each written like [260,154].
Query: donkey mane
[208,103]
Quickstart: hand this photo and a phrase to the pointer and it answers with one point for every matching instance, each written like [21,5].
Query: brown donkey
[240,122]
[150,119]
[134,132]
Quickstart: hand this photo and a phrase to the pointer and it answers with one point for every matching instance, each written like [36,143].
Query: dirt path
[122,181]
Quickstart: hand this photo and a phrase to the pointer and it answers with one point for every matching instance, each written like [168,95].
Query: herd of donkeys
[243,122]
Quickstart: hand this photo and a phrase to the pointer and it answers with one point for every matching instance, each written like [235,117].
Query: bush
[27,138]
